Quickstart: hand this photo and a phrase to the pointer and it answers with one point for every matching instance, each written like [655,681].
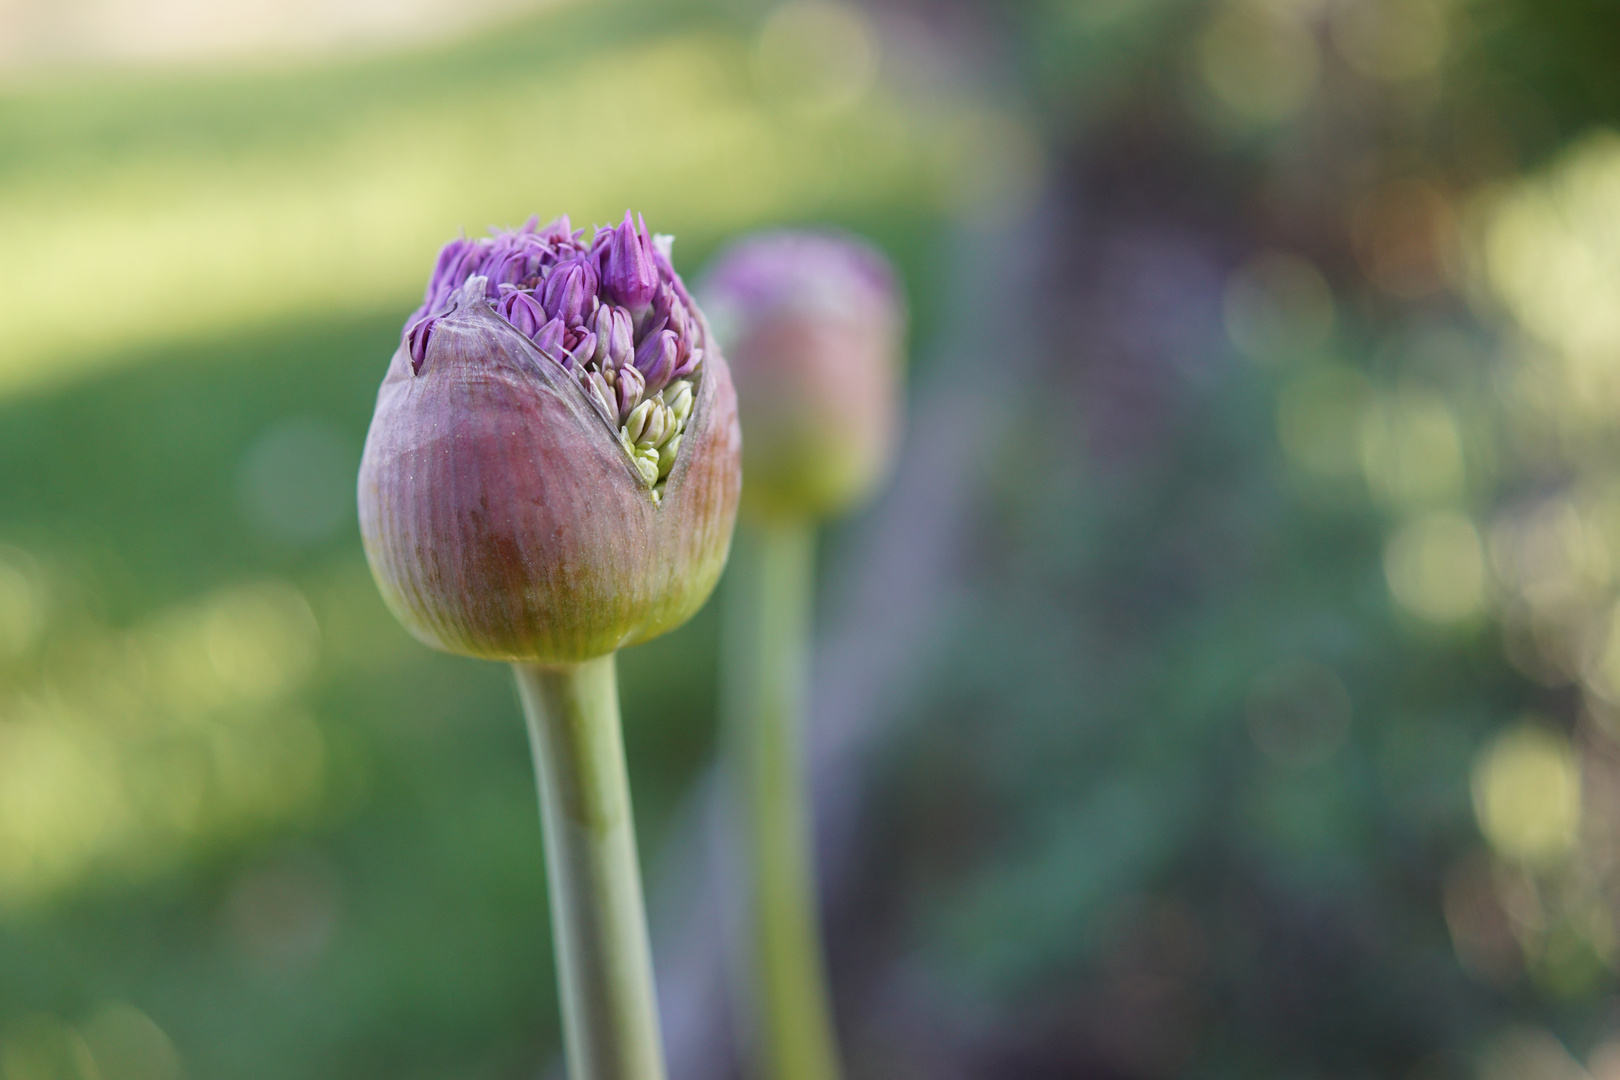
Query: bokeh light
[1436,568]
[1259,60]
[1527,795]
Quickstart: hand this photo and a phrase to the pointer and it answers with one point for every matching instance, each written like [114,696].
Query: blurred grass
[205,274]
[221,200]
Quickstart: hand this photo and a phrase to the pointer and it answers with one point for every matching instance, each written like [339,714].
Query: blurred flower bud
[515,501]
[813,325]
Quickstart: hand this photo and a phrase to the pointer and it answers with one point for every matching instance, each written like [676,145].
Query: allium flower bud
[630,266]
[527,493]
[569,290]
[813,324]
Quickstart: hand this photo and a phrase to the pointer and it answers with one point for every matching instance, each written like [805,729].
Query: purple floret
[612,311]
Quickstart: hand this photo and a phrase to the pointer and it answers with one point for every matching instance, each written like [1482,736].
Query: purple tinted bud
[550,339]
[631,386]
[519,309]
[559,231]
[582,353]
[615,343]
[655,359]
[512,270]
[569,292]
[813,325]
[668,312]
[687,366]
[446,268]
[630,273]
[658,312]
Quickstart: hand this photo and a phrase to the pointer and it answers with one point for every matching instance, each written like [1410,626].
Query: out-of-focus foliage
[1282,717]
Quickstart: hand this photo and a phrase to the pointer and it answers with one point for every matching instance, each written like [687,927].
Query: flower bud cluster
[611,312]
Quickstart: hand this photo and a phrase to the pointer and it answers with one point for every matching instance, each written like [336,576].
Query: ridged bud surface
[813,324]
[505,507]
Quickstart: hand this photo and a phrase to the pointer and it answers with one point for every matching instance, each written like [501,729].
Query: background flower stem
[767,651]
[599,923]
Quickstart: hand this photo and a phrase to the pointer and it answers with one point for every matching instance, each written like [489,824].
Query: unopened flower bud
[503,514]
[569,291]
[678,399]
[519,309]
[632,274]
[655,358]
[646,461]
[666,455]
[813,325]
[615,344]
[688,364]
[636,424]
[631,386]
[549,339]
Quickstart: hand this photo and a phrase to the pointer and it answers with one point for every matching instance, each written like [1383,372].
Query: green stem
[767,648]
[604,965]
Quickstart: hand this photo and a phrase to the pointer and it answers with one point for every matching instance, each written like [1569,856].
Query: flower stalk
[766,660]
[552,474]
[604,963]
[814,325]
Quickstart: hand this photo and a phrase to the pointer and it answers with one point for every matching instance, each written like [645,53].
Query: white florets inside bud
[651,433]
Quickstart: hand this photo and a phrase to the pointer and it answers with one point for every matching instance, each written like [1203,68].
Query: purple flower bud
[569,291]
[658,312]
[630,387]
[446,268]
[687,365]
[615,345]
[672,311]
[813,324]
[631,276]
[559,231]
[549,340]
[582,352]
[502,513]
[519,309]
[656,357]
